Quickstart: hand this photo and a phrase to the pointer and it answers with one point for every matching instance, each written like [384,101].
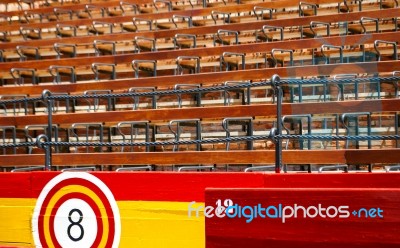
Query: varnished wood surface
[209,157]
[385,105]
[207,78]
[200,52]
[353,16]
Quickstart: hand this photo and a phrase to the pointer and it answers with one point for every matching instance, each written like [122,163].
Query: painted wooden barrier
[299,217]
[153,209]
[74,209]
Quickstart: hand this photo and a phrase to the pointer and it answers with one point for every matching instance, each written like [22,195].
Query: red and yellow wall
[153,207]
[145,209]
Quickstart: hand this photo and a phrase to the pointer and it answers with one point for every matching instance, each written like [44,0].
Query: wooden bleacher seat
[307,9]
[125,8]
[216,3]
[191,63]
[158,6]
[20,75]
[346,7]
[145,44]
[14,108]
[265,34]
[185,22]
[138,25]
[103,68]
[91,11]
[134,131]
[393,54]
[388,4]
[314,32]
[65,49]
[185,41]
[100,28]
[31,33]
[60,14]
[86,132]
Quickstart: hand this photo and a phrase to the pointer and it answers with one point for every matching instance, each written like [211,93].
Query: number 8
[75,223]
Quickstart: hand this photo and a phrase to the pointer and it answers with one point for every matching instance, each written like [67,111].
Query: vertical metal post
[396,127]
[369,141]
[278,141]
[250,144]
[47,158]
[147,139]
[48,150]
[198,135]
[47,161]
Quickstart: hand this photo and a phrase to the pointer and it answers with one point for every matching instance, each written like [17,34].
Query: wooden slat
[384,105]
[209,78]
[22,160]
[211,157]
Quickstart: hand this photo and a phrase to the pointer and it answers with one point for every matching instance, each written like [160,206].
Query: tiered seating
[155,47]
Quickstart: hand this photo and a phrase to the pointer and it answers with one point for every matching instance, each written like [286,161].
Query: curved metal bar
[345,168]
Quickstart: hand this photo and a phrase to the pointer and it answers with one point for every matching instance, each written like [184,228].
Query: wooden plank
[66,6]
[341,107]
[22,160]
[365,157]
[166,158]
[340,217]
[204,52]
[137,115]
[209,78]
[210,157]
[260,110]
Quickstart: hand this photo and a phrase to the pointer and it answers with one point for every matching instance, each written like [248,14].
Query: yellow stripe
[15,221]
[160,224]
[73,189]
[145,224]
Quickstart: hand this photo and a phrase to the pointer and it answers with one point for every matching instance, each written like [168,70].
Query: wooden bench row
[371,123]
[259,9]
[319,157]
[96,10]
[311,7]
[243,94]
[182,41]
[102,27]
[382,67]
[263,145]
[47,7]
[44,6]
[263,110]
[298,44]
[198,31]
[378,50]
[151,16]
